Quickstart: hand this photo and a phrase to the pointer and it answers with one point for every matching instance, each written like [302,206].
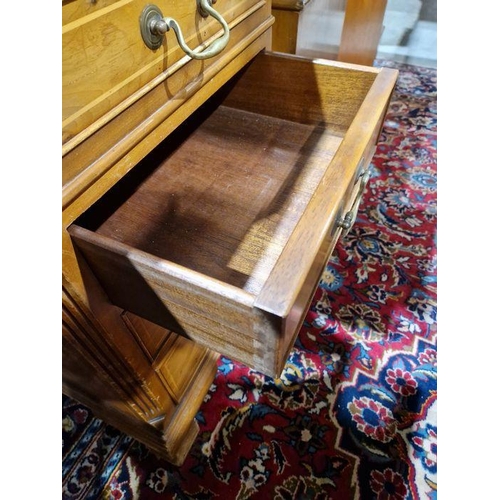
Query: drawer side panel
[216,315]
[290,272]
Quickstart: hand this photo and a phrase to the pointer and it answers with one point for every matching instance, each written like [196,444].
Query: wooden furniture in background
[201,201]
[363,25]
[343,30]
[287,14]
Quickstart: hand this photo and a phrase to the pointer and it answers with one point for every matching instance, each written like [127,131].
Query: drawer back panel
[300,90]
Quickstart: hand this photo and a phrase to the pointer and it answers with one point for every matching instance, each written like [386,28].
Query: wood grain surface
[105,60]
[361,32]
[138,376]
[222,233]
[229,221]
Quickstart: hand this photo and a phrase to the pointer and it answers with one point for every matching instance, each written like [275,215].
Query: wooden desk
[201,200]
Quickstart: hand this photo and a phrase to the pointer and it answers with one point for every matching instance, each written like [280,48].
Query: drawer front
[105,60]
[224,235]
[105,151]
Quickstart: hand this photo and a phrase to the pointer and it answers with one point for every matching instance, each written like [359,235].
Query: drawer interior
[221,233]
[225,201]
[222,194]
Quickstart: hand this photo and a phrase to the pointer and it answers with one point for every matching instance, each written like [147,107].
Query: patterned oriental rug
[354,414]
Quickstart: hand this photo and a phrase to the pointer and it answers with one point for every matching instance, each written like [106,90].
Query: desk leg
[285,30]
[361,31]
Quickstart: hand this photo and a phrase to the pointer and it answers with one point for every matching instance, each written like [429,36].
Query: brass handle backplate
[154,26]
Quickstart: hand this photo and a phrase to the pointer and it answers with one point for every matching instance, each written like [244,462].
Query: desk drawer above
[222,232]
[108,66]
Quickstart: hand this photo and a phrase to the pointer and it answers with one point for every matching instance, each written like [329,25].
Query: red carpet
[354,414]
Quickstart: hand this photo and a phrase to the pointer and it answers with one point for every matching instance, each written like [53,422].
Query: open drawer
[222,232]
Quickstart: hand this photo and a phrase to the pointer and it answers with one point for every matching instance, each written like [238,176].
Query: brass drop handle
[154,26]
[350,217]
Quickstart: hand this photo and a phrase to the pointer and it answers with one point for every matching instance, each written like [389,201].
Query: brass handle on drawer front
[350,217]
[154,26]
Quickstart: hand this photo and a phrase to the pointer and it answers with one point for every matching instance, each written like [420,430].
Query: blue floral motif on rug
[353,415]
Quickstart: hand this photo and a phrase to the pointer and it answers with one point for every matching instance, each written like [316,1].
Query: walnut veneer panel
[136,399]
[151,337]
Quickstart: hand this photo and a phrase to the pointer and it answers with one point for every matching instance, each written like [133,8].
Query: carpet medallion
[353,415]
